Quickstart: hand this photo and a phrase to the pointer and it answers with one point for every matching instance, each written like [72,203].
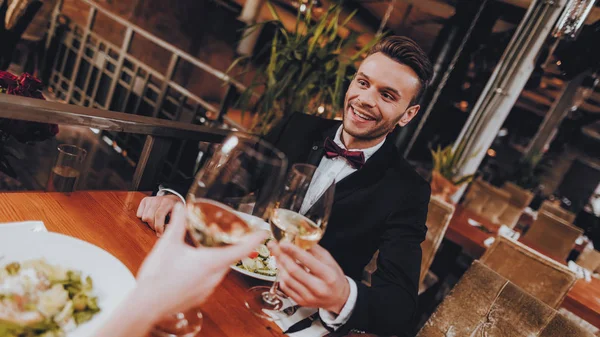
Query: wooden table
[107,220]
[583,299]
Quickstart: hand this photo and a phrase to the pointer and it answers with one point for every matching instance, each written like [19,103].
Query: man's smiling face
[378,99]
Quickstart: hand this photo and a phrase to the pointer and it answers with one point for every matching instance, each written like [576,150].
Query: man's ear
[409,114]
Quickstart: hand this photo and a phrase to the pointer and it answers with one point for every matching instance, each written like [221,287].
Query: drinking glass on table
[67,169]
[300,216]
[230,198]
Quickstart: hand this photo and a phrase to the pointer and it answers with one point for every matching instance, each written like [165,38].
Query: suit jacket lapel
[367,175]
[371,172]
[317,151]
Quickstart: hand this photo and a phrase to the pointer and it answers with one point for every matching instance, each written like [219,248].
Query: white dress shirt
[330,169]
[337,169]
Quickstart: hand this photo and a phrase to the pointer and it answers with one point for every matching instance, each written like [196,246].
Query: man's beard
[373,134]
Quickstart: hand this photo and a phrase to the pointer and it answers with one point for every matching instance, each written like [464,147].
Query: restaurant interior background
[172,59]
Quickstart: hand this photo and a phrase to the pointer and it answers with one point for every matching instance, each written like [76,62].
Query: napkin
[23,226]
[504,231]
[508,232]
[581,239]
[489,241]
[474,223]
[531,212]
[284,321]
[581,272]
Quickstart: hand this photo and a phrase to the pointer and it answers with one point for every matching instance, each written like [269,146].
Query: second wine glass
[300,216]
[231,197]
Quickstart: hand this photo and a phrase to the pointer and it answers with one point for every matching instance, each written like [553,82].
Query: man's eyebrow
[360,73]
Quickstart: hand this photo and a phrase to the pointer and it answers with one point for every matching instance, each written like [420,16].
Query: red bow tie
[356,159]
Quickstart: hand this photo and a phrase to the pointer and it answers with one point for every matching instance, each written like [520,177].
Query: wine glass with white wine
[300,216]
[231,197]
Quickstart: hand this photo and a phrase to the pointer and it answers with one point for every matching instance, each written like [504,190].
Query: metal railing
[159,134]
[88,70]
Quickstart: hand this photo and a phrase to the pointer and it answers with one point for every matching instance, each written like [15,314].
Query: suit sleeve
[389,306]
[180,187]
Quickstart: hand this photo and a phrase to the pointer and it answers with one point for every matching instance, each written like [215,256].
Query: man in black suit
[380,201]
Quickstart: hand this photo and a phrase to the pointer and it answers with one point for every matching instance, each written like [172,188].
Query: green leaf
[347,20]
[310,68]
[316,35]
[273,11]
[465,179]
[235,63]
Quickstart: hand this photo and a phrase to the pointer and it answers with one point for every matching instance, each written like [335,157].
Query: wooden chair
[438,217]
[476,197]
[518,196]
[511,215]
[497,201]
[563,326]
[585,325]
[538,275]
[519,200]
[589,259]
[553,235]
[556,210]
[484,303]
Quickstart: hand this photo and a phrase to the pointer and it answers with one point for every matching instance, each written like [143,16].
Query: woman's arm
[169,280]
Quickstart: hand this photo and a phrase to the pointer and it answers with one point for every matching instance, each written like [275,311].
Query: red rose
[26,86]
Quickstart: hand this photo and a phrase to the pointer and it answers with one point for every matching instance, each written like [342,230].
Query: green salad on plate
[40,299]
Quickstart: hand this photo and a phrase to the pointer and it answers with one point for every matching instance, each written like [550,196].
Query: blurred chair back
[589,259]
[561,326]
[476,197]
[519,200]
[538,275]
[484,303]
[496,203]
[519,196]
[553,235]
[438,218]
[511,215]
[556,210]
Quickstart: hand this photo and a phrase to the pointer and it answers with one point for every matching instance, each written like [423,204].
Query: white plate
[255,222]
[254,275]
[112,280]
[22,227]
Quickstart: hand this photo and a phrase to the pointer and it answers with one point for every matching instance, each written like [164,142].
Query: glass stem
[271,296]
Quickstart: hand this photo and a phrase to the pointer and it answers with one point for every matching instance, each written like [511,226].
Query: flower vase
[442,187]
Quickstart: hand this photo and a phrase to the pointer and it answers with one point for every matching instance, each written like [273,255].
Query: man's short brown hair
[406,51]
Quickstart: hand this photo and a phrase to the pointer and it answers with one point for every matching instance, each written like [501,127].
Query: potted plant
[444,177]
[308,69]
[528,171]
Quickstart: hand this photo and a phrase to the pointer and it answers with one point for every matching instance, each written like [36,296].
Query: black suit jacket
[381,206]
